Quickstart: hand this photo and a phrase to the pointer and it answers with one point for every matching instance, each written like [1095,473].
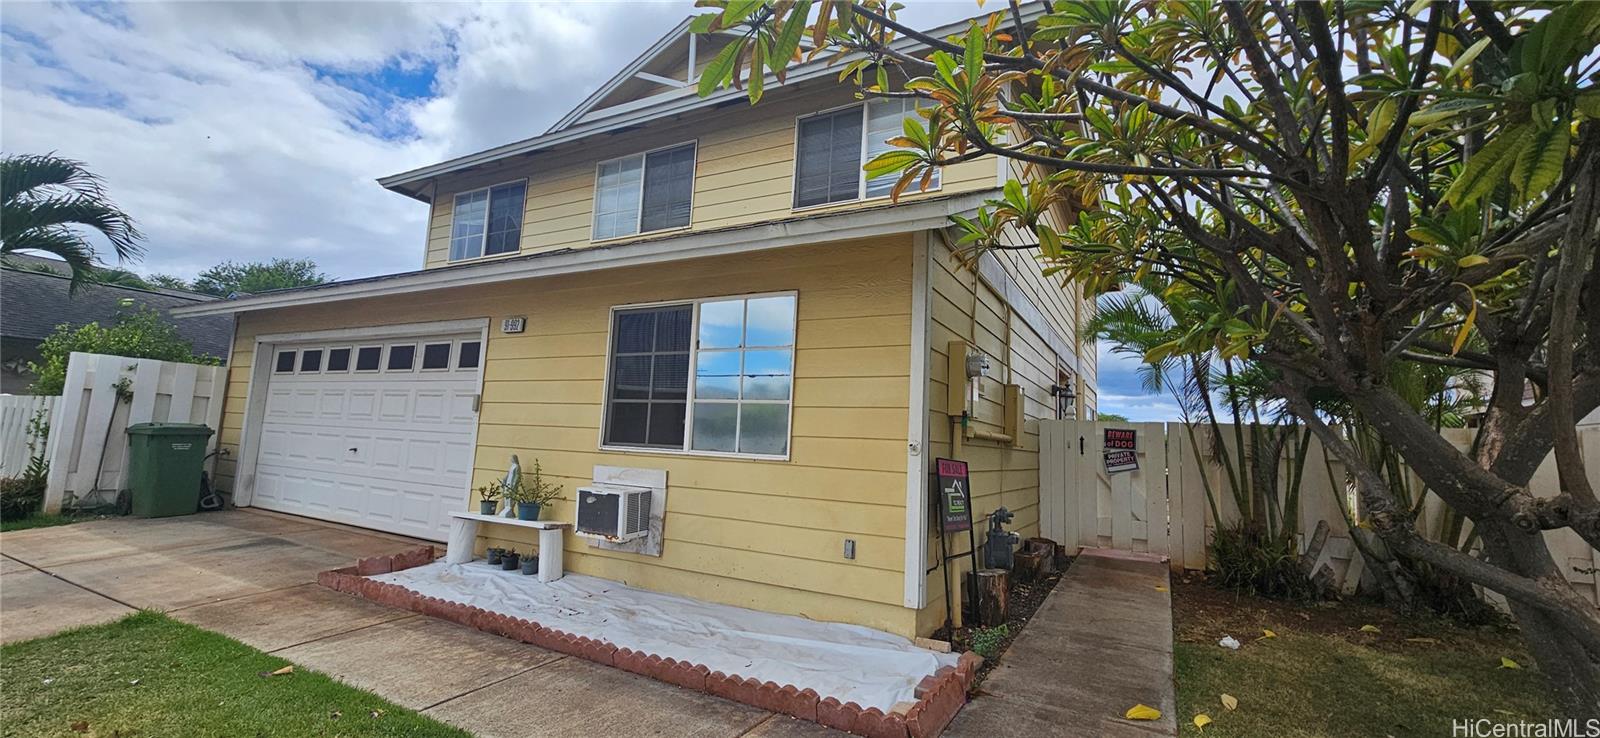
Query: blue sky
[252,130]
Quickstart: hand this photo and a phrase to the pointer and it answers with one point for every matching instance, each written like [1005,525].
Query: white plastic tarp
[850,663]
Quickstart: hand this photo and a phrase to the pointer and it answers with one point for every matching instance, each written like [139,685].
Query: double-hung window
[487,221]
[736,399]
[831,149]
[644,192]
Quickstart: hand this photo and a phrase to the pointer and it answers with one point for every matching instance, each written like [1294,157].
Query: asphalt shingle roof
[33,303]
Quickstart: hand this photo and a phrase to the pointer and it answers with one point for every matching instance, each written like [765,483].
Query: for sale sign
[1121,460]
[954,495]
[1122,438]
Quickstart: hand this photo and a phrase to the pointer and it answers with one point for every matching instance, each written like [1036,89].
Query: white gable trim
[670,103]
[626,74]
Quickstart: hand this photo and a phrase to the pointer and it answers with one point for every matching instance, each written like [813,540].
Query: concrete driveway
[251,575]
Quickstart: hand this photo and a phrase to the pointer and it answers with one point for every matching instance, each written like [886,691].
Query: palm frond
[21,174]
[62,243]
[17,219]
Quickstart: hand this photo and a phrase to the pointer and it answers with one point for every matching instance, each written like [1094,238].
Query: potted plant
[530,564]
[489,497]
[508,560]
[495,553]
[532,492]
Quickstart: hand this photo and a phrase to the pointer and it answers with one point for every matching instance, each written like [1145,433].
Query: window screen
[285,362]
[311,360]
[616,197]
[367,358]
[338,360]
[668,185]
[744,375]
[436,356]
[886,120]
[487,221]
[649,383]
[828,164]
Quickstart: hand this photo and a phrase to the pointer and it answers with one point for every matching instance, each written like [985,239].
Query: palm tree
[46,200]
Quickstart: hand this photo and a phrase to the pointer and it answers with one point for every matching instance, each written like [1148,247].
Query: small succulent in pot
[530,564]
[494,554]
[508,560]
[489,497]
[531,493]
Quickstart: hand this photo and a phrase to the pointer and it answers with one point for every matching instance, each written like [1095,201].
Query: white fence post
[88,440]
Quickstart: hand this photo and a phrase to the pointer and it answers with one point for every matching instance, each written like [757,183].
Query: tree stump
[993,597]
[1030,564]
[1047,565]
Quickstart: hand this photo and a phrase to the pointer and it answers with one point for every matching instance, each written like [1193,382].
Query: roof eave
[821,228]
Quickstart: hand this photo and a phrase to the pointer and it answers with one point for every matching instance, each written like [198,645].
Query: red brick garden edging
[939,696]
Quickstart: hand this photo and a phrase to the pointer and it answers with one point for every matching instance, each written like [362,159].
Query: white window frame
[638,221]
[449,356]
[689,398]
[356,356]
[294,364]
[455,356]
[416,357]
[350,363]
[300,362]
[861,179]
[488,191]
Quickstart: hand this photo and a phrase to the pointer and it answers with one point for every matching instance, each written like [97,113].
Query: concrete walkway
[251,575]
[1100,644]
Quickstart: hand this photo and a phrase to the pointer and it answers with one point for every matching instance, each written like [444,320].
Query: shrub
[1248,560]
[986,642]
[20,497]
[139,333]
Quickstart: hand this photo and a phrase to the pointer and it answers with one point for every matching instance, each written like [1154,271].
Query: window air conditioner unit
[613,512]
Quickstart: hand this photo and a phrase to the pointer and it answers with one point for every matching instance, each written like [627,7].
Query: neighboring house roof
[812,228]
[33,303]
[588,122]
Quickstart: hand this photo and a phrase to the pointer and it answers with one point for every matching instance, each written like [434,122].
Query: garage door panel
[383,449]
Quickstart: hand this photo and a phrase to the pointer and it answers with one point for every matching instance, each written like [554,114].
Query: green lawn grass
[39,520]
[150,675]
[1323,676]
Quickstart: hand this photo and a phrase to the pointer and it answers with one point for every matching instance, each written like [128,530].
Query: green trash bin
[164,464]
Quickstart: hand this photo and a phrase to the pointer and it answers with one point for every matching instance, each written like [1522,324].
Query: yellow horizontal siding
[744,173]
[757,533]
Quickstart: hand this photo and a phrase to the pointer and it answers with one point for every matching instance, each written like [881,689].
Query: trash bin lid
[169,429]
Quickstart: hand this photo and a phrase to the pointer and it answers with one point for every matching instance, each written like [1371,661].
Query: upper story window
[713,376]
[487,221]
[831,148]
[644,192]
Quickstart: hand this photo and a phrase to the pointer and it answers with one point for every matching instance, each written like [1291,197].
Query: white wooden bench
[464,533]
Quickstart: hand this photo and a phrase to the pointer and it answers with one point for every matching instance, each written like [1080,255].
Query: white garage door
[377,435]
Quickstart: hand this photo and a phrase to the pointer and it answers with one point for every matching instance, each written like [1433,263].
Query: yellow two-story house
[697,295]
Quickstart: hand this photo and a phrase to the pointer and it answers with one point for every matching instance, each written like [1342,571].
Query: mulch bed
[1203,612]
[1024,600]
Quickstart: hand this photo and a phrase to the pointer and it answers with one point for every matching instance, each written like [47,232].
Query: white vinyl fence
[1161,506]
[106,394]
[16,417]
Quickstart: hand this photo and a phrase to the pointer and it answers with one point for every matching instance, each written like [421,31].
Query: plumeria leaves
[1142,711]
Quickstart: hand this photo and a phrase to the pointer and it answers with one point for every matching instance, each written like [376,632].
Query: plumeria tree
[1332,189]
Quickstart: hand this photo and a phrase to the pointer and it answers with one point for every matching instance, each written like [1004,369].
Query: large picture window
[487,221]
[644,192]
[742,353]
[832,147]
